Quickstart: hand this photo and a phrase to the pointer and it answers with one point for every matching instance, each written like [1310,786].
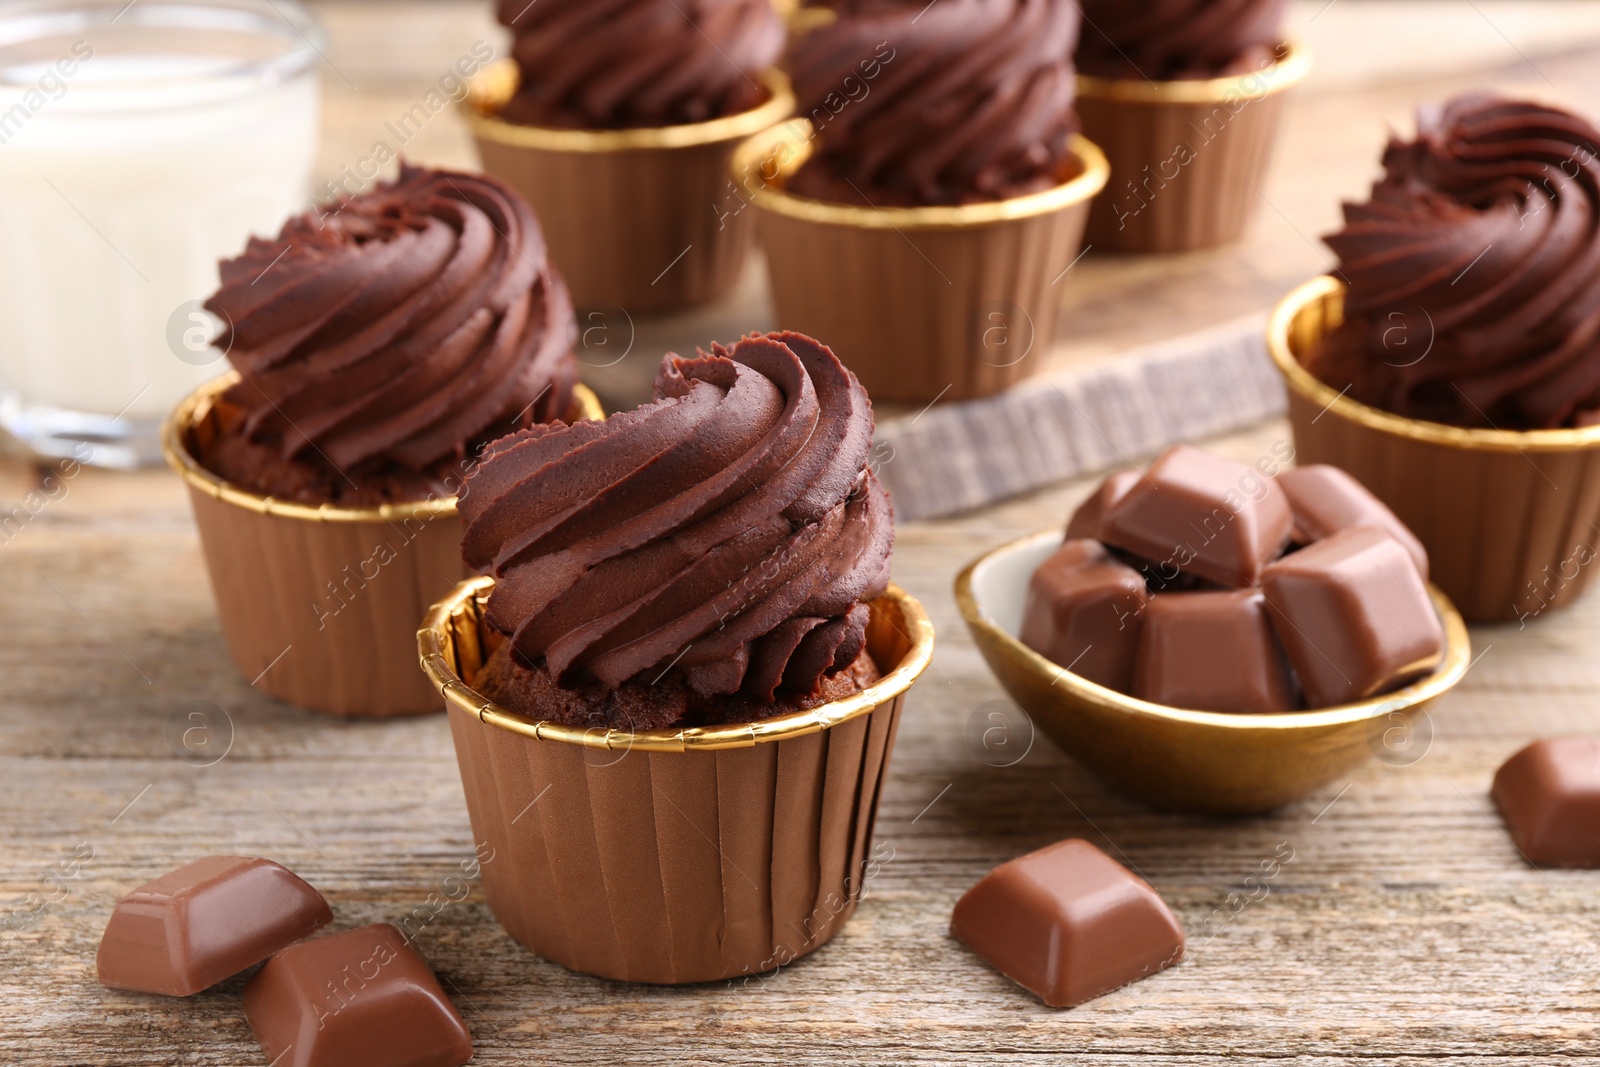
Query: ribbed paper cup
[1511,519]
[921,302]
[319,605]
[637,219]
[1187,157]
[673,856]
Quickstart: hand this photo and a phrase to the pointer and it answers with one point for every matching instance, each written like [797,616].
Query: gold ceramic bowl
[638,219]
[922,303]
[319,604]
[671,856]
[1198,761]
[1187,157]
[1508,517]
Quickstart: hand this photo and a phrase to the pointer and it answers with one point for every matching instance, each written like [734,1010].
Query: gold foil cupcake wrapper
[922,303]
[1175,194]
[319,605]
[674,856]
[1316,307]
[1293,64]
[453,644]
[765,161]
[633,217]
[492,89]
[1508,517]
[317,614]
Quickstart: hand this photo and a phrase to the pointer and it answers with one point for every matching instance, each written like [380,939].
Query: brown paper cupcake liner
[319,605]
[635,219]
[1510,519]
[1187,157]
[673,856]
[921,303]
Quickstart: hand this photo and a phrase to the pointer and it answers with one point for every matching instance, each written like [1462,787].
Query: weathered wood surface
[1405,930]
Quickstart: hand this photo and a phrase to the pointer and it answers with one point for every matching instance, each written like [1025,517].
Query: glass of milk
[140,142]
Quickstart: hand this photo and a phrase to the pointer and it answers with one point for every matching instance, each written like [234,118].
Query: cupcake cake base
[647,705]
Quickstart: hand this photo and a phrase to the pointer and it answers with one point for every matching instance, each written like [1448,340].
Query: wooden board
[1405,930]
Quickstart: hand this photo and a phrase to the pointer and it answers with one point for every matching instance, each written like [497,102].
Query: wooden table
[1405,930]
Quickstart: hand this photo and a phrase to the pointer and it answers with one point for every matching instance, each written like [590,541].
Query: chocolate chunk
[1068,923]
[1083,612]
[1353,615]
[1198,512]
[1163,580]
[363,998]
[1549,794]
[1326,499]
[190,929]
[1212,652]
[1085,522]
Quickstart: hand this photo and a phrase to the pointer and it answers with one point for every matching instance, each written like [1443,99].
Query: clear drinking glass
[139,143]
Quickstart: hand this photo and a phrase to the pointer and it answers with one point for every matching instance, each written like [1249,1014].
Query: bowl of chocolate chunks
[1216,637]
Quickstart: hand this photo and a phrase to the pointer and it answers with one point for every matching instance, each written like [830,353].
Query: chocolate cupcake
[1185,97]
[380,344]
[921,212]
[617,121]
[1451,365]
[377,345]
[722,556]
[686,628]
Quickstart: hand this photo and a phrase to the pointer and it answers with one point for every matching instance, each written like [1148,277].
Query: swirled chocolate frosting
[727,534]
[953,102]
[1173,40]
[1474,272]
[619,64]
[388,336]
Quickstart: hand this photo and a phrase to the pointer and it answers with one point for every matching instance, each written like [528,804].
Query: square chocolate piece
[1083,612]
[1085,521]
[363,998]
[188,930]
[1549,794]
[1212,651]
[1353,615]
[1326,499]
[1068,923]
[1202,514]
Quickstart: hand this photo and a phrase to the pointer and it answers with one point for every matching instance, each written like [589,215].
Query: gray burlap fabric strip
[958,456]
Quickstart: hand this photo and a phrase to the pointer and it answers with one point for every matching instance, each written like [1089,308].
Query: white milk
[133,156]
